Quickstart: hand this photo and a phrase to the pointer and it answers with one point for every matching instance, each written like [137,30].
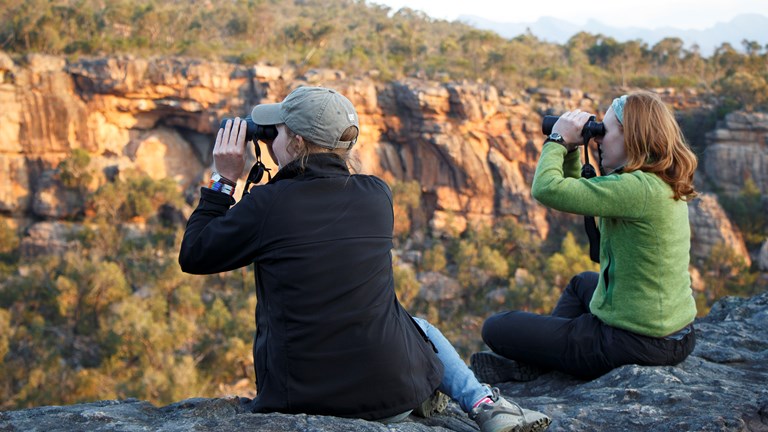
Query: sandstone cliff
[721,386]
[471,147]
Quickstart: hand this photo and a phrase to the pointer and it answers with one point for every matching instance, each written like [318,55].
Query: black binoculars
[255,132]
[590,130]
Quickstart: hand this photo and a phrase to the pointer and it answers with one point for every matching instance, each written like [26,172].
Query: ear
[295,146]
[298,142]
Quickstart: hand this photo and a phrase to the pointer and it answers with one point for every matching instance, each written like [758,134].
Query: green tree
[749,210]
[518,244]
[74,172]
[478,43]
[466,261]
[86,287]
[697,65]
[726,60]
[9,246]
[492,263]
[667,55]
[357,36]
[434,258]
[406,197]
[406,285]
[727,274]
[629,59]
[133,195]
[570,261]
[743,90]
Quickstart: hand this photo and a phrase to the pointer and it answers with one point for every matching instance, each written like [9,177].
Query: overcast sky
[650,14]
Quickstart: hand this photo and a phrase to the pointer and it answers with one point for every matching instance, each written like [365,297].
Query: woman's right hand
[229,149]
[569,126]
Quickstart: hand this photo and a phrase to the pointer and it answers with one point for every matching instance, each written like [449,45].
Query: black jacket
[331,336]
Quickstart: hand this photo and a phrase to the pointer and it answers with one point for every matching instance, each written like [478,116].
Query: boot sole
[538,425]
[492,368]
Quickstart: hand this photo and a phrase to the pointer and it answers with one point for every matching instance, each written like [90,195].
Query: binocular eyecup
[255,132]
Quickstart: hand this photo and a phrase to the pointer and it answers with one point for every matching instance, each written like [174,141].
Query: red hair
[654,143]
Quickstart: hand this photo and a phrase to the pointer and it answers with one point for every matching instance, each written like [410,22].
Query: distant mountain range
[753,27]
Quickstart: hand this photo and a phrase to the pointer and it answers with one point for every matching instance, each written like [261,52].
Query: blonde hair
[654,143]
[301,149]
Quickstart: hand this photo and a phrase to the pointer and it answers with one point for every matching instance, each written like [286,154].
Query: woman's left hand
[569,126]
[229,150]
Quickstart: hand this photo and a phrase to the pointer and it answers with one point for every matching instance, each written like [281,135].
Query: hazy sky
[684,14]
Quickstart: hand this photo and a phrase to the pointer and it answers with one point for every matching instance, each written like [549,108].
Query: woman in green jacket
[639,308]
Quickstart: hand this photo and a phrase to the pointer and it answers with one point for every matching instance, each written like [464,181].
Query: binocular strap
[257,172]
[590,226]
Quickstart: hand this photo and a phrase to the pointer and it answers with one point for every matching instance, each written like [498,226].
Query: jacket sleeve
[572,164]
[219,238]
[620,196]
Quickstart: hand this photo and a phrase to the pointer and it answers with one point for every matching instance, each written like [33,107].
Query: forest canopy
[360,37]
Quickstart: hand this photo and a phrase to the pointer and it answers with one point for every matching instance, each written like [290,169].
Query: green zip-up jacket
[645,240]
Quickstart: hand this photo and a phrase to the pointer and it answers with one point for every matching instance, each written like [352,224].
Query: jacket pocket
[603,295]
[422,333]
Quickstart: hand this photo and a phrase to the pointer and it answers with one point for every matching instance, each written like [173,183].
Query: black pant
[574,341]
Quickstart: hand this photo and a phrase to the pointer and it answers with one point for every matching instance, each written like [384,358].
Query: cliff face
[710,226]
[471,147]
[738,151]
[720,386]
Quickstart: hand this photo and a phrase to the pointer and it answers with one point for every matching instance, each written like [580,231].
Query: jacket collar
[317,165]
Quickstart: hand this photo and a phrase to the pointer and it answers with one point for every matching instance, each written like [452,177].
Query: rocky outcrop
[48,238]
[436,287]
[737,151]
[471,147]
[719,387]
[126,112]
[467,145]
[710,227]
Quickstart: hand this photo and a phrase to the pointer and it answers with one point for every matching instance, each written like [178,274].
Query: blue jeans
[459,383]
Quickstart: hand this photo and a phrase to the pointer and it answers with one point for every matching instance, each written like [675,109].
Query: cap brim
[267,114]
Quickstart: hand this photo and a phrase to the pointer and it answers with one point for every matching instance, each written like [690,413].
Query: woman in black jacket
[331,338]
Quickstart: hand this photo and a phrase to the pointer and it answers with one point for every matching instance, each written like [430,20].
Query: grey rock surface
[722,386]
[738,150]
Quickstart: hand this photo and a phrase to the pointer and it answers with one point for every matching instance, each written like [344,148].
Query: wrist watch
[216,177]
[556,137]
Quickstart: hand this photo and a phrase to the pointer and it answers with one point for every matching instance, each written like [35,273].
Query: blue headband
[618,108]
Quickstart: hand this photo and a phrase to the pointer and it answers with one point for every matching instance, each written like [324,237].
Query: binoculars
[256,132]
[590,130]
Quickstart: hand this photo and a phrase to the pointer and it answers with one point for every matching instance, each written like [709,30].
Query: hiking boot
[435,404]
[492,368]
[505,416]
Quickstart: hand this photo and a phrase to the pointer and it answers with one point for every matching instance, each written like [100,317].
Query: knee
[582,278]
[488,330]
[497,326]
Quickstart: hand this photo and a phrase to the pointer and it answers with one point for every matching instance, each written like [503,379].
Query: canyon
[472,148]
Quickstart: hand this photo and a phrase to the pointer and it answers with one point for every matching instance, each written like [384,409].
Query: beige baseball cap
[320,115]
